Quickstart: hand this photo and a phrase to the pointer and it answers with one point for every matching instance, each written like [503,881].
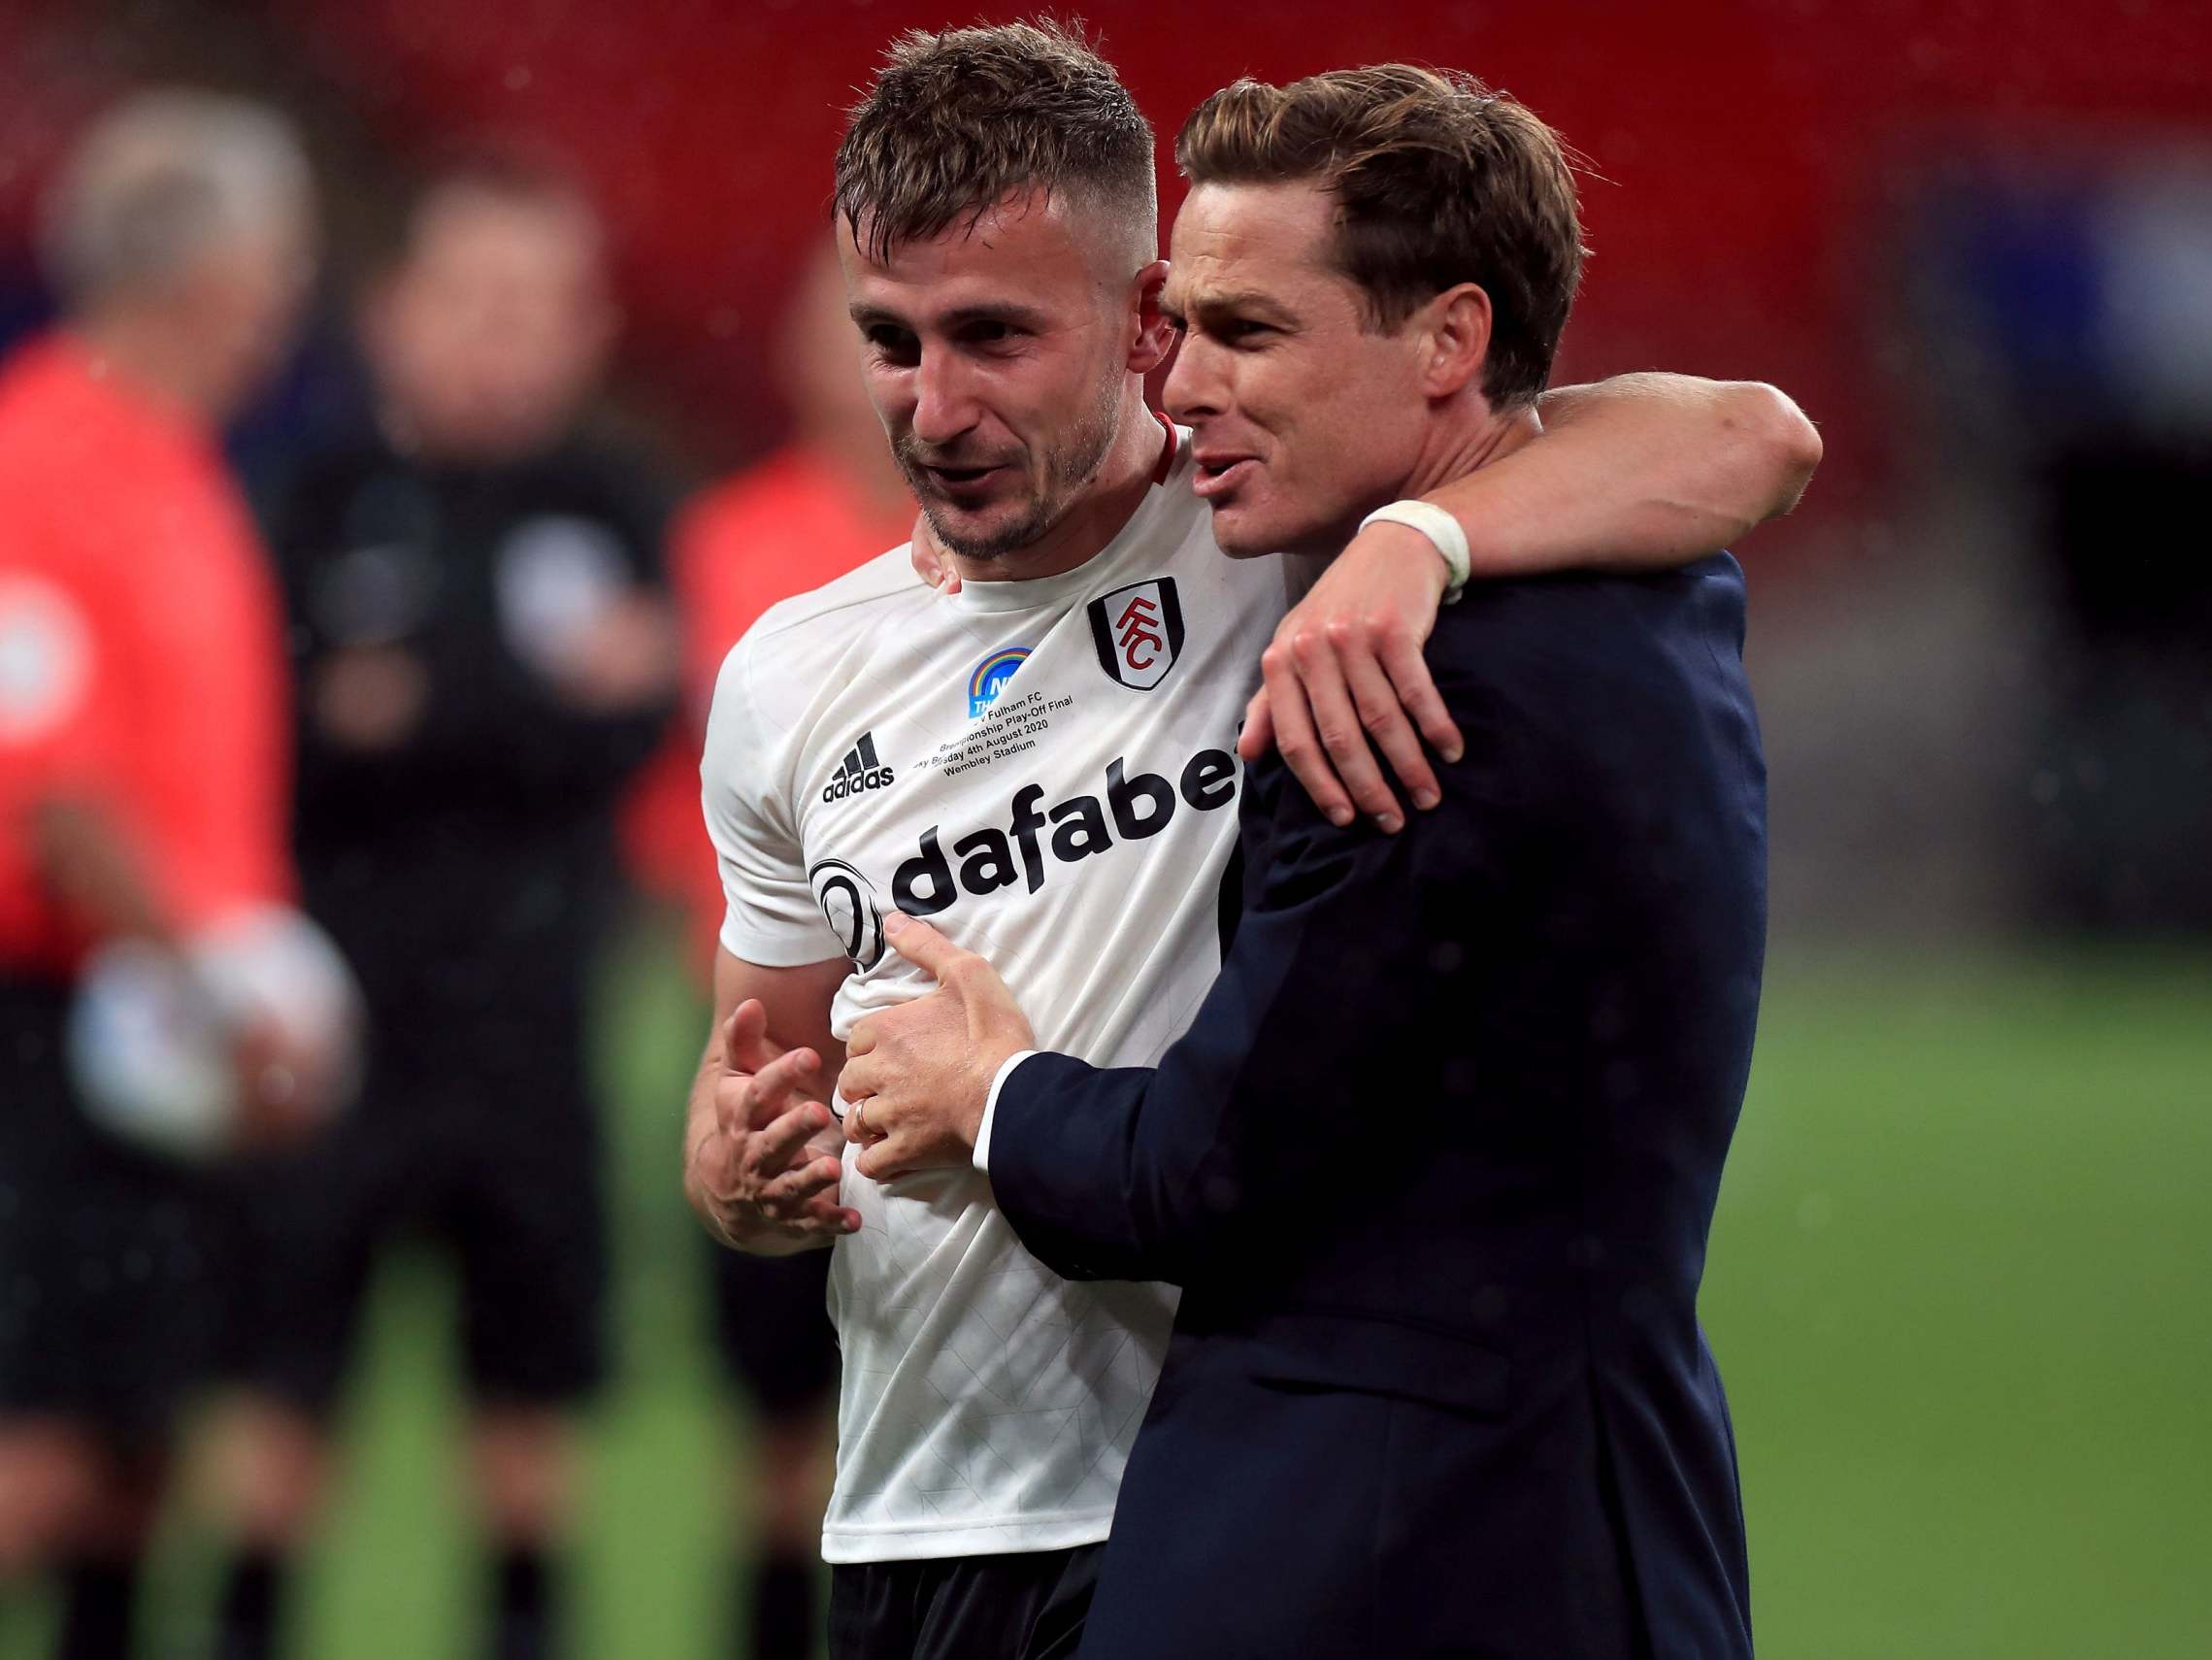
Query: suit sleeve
[1359,952]
[1146,1173]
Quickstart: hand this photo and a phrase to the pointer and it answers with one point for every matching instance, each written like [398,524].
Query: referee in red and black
[142,796]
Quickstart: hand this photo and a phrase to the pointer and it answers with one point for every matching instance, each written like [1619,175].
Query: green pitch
[1958,1289]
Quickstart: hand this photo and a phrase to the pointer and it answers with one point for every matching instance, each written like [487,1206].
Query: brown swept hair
[957,121]
[1438,179]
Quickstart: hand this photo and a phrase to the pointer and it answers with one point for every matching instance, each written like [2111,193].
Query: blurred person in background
[827,501]
[485,659]
[142,799]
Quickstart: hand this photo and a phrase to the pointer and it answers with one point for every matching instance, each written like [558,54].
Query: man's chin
[990,532]
[1242,534]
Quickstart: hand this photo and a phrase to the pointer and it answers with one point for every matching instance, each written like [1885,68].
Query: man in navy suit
[1436,1160]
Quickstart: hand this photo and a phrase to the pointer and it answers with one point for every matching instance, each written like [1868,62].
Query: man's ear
[1155,338]
[1455,343]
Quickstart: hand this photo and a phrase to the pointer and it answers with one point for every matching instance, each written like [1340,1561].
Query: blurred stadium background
[1958,1279]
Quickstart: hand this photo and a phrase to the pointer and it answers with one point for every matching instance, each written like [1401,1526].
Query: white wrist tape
[1440,528]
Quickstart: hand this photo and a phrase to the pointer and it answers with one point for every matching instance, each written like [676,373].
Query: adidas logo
[859,770]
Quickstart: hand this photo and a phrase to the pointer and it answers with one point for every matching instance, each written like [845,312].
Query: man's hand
[288,1082]
[765,1175]
[1345,668]
[917,1075]
[930,562]
[370,697]
[620,660]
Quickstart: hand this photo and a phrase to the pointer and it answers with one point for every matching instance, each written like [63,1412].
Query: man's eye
[889,341]
[1243,331]
[987,333]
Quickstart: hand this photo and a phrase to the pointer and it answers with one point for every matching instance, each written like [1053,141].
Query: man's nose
[944,402]
[1195,385]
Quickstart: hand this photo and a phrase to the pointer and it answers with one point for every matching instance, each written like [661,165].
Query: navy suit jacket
[1434,1165]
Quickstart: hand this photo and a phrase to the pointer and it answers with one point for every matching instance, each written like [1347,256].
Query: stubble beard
[1071,466]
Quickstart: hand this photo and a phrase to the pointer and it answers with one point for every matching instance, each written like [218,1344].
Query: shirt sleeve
[222,773]
[770,916]
[58,730]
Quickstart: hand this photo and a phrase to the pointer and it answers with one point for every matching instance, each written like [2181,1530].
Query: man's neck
[1463,440]
[152,354]
[1460,447]
[1097,514]
[425,444]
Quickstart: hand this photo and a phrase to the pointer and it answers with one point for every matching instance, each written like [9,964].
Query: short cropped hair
[161,178]
[956,122]
[1438,179]
[503,174]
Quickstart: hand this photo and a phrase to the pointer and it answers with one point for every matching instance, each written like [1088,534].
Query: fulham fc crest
[1139,631]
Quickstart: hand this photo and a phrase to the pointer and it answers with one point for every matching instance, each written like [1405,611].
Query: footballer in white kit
[1046,770]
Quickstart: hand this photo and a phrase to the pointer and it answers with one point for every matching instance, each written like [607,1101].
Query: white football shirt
[1046,770]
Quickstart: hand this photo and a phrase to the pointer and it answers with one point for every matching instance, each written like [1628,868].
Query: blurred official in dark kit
[484,657]
[161,1006]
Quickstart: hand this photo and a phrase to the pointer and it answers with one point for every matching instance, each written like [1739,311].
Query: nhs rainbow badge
[991,674]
